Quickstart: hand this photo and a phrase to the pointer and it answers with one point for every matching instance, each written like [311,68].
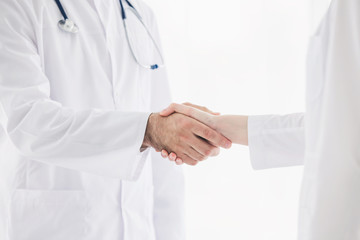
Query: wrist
[241,130]
[150,130]
[234,127]
[245,135]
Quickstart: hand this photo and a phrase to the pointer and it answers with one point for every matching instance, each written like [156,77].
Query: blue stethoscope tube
[63,13]
[69,26]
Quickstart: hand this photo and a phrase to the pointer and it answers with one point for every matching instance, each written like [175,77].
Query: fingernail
[228,145]
[179,161]
[172,156]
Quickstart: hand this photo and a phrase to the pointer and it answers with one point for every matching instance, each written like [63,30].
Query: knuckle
[183,138]
[183,122]
[208,134]
[187,124]
[208,152]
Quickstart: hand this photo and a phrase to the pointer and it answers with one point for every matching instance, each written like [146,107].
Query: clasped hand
[191,140]
[233,127]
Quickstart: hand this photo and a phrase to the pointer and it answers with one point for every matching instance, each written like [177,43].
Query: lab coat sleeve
[276,141]
[102,142]
[330,208]
[168,179]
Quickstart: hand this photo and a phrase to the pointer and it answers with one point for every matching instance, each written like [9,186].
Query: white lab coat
[75,113]
[327,137]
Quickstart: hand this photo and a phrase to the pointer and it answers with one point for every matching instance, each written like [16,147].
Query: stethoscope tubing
[69,26]
[154,66]
[62,11]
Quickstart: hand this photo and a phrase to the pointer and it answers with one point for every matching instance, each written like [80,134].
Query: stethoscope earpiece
[68,26]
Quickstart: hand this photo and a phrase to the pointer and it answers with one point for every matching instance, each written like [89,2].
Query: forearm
[95,141]
[234,127]
[153,135]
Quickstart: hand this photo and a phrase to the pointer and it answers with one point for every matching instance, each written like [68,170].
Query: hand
[192,140]
[172,156]
[233,127]
[166,112]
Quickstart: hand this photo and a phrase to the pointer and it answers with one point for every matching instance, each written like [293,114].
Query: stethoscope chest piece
[68,26]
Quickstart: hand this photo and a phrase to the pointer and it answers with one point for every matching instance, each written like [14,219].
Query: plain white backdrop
[239,57]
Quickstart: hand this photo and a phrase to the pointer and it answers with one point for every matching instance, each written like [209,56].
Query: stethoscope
[69,26]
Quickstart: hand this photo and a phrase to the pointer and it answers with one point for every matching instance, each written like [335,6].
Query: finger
[212,136]
[189,161]
[164,154]
[174,107]
[169,110]
[172,156]
[199,115]
[202,108]
[204,147]
[178,161]
[191,152]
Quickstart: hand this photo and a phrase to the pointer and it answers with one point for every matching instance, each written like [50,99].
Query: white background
[239,57]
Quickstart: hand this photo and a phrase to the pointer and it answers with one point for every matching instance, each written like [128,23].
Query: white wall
[239,57]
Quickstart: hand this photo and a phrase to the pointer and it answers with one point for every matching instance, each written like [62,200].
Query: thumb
[167,111]
[202,108]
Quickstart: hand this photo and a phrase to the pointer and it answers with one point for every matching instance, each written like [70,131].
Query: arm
[274,141]
[96,141]
[103,142]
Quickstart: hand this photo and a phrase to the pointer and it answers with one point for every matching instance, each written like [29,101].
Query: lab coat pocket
[50,215]
[315,69]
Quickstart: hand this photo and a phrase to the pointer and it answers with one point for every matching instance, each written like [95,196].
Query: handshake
[187,133]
